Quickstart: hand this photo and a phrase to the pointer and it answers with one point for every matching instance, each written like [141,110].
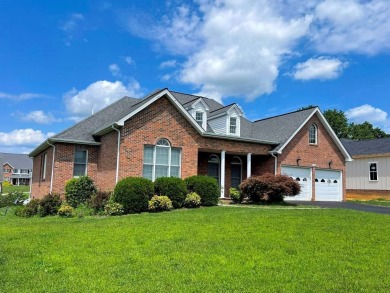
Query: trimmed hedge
[79,190]
[206,187]
[192,200]
[134,194]
[269,188]
[174,188]
[49,205]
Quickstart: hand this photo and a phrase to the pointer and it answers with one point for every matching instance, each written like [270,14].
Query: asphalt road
[346,205]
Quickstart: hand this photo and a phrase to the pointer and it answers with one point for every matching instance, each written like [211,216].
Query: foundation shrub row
[131,195]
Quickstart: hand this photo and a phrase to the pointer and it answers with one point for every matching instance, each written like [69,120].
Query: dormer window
[313,134]
[199,118]
[233,125]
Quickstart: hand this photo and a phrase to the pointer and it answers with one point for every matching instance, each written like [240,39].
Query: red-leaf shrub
[269,188]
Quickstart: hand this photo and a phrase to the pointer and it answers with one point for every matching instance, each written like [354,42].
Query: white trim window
[233,125]
[214,168]
[80,162]
[373,169]
[43,166]
[199,117]
[161,160]
[313,134]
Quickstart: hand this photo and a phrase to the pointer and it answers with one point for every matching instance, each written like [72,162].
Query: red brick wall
[7,174]
[318,155]
[106,167]
[63,168]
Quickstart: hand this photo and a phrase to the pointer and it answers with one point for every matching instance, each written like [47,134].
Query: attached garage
[303,176]
[328,185]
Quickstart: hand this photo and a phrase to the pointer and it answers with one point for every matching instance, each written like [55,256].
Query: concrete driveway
[345,205]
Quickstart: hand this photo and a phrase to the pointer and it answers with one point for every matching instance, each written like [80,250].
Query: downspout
[52,166]
[276,162]
[117,153]
[31,178]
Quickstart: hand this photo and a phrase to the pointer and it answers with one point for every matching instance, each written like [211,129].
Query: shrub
[30,209]
[269,188]
[79,190]
[174,188]
[83,210]
[49,205]
[99,200]
[66,211]
[113,209]
[206,187]
[160,203]
[235,195]
[133,193]
[12,198]
[6,184]
[192,200]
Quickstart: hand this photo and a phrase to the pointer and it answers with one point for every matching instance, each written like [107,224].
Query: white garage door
[328,185]
[303,176]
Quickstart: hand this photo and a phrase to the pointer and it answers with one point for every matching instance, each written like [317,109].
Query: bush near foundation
[174,188]
[49,205]
[66,211]
[206,187]
[269,188]
[134,194]
[29,210]
[98,201]
[192,200]
[79,190]
[160,204]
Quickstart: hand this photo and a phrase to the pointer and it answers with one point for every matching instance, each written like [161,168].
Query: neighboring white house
[17,168]
[369,172]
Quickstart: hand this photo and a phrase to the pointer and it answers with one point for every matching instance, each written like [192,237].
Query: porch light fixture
[330,164]
[298,159]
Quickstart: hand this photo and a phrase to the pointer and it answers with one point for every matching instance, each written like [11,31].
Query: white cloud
[168,64]
[319,68]
[71,27]
[23,137]
[21,97]
[352,26]
[38,117]
[366,113]
[114,69]
[99,95]
[129,60]
[245,42]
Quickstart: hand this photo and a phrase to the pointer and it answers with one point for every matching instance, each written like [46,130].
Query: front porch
[231,168]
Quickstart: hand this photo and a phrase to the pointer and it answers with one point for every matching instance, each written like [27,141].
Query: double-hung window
[80,162]
[233,125]
[373,171]
[161,160]
[199,118]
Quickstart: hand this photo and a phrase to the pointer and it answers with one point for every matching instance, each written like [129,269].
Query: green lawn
[21,188]
[219,249]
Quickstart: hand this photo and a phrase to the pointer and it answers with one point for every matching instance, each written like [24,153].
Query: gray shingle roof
[367,147]
[279,128]
[18,161]
[220,110]
[186,98]
[83,130]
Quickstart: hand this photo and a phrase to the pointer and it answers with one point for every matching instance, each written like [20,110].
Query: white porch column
[223,174]
[248,165]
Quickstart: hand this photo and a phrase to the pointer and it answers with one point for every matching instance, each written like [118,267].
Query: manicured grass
[21,188]
[377,202]
[218,249]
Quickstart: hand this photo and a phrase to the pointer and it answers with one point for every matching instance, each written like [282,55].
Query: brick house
[174,134]
[17,168]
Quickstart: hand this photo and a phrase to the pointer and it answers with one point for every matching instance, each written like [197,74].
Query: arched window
[235,172]
[313,134]
[161,160]
[213,167]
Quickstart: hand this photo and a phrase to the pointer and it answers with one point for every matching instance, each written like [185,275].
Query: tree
[365,131]
[338,121]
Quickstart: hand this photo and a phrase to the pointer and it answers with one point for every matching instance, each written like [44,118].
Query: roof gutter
[52,166]
[239,139]
[117,152]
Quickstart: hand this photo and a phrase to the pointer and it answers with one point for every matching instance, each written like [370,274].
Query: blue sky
[61,60]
